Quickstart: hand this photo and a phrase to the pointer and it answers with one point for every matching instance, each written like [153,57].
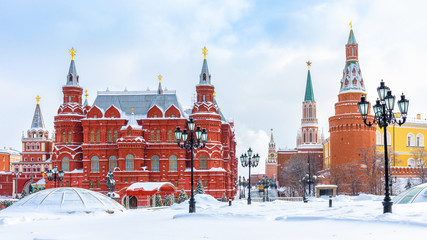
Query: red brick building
[308,138]
[132,134]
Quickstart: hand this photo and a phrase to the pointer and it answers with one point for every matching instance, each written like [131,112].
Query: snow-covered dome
[65,200]
[413,195]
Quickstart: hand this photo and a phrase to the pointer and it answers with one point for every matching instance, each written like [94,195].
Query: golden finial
[351,26]
[308,64]
[86,94]
[132,110]
[205,52]
[38,99]
[160,78]
[214,94]
[72,53]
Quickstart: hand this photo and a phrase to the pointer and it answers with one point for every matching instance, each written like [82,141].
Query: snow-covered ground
[350,218]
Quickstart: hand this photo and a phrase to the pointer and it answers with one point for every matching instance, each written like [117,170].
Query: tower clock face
[272,155]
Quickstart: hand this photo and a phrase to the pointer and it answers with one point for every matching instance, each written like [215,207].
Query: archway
[133,202]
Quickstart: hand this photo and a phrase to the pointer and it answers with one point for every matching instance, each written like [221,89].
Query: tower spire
[205,77]
[38,122]
[309,94]
[160,89]
[271,136]
[72,78]
[86,103]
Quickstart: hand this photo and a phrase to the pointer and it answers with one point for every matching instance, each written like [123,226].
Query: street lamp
[55,175]
[248,162]
[383,110]
[191,142]
[17,173]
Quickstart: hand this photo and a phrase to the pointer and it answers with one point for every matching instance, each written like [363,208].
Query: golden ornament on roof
[160,78]
[205,52]
[38,99]
[308,64]
[72,53]
[351,26]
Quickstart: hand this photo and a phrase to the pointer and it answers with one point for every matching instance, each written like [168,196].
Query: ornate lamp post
[383,110]
[248,162]
[17,174]
[55,175]
[191,142]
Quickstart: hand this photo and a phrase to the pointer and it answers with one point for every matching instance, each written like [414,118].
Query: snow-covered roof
[149,186]
[65,200]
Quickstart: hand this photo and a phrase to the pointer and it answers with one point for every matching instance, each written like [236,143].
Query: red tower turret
[348,134]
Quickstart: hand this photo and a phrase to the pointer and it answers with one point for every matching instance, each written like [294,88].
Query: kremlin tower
[348,134]
[271,162]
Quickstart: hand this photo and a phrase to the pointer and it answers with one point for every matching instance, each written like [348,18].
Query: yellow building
[405,143]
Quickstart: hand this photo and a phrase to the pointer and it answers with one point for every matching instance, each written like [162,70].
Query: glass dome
[66,200]
[413,195]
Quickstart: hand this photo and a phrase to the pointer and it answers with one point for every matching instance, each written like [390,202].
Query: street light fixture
[191,142]
[248,162]
[55,175]
[383,110]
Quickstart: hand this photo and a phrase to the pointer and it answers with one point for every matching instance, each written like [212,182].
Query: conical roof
[73,81]
[351,38]
[309,94]
[38,122]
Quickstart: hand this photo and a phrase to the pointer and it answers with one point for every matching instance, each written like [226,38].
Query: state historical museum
[132,134]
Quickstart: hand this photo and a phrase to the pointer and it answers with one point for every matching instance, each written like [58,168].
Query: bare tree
[420,156]
[353,177]
[372,165]
[295,169]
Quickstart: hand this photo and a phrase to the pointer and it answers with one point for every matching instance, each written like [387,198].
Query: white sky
[257,55]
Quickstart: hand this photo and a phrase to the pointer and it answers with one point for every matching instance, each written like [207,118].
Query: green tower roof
[351,38]
[309,95]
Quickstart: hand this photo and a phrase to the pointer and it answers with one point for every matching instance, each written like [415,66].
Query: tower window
[158,136]
[152,136]
[204,76]
[98,137]
[109,136]
[69,138]
[115,136]
[64,138]
[69,98]
[92,137]
[204,98]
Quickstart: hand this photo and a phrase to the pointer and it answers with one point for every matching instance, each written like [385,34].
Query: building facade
[132,134]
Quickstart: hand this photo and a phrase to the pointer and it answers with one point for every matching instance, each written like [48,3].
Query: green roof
[351,38]
[309,95]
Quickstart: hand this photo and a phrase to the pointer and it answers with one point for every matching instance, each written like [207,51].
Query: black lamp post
[55,175]
[248,162]
[191,142]
[266,183]
[383,110]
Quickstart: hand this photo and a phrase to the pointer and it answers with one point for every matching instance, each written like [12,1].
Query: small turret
[72,77]
[205,77]
[38,122]
[309,94]
[160,89]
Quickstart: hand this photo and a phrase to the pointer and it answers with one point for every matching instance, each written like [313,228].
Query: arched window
[411,140]
[65,164]
[110,137]
[69,138]
[411,162]
[112,163]
[304,137]
[170,136]
[388,138]
[115,136]
[92,137]
[152,136]
[155,163]
[94,164]
[158,136]
[420,140]
[309,112]
[204,76]
[172,164]
[203,163]
[64,138]
[129,162]
[378,138]
[98,137]
[311,137]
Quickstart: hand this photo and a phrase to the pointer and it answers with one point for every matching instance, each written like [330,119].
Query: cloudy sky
[257,55]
